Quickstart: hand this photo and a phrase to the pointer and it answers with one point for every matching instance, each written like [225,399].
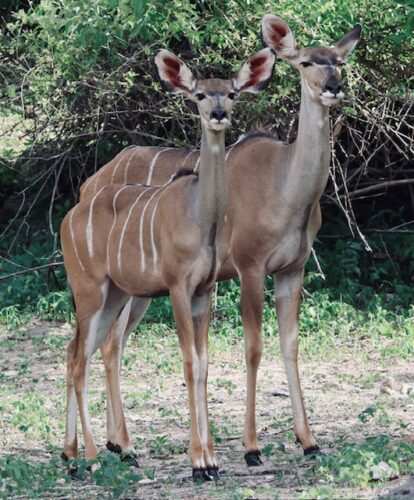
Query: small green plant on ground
[19,476]
[377,458]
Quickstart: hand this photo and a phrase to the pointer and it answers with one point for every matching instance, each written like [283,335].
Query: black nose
[218,114]
[333,85]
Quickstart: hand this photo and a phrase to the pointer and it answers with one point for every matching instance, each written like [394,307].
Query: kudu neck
[310,153]
[212,185]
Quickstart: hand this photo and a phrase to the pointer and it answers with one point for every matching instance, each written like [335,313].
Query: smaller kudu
[140,241]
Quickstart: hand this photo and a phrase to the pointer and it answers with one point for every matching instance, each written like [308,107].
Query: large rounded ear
[277,35]
[174,73]
[348,43]
[256,72]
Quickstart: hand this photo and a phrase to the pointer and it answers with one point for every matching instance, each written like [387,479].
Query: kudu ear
[277,35]
[174,73]
[256,72]
[348,43]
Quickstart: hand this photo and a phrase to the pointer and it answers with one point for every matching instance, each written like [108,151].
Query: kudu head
[320,67]
[215,97]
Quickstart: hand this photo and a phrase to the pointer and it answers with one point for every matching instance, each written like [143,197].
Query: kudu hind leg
[90,305]
[70,448]
[252,298]
[112,349]
[288,288]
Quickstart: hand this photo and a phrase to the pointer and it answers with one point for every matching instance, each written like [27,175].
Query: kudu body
[273,214]
[127,243]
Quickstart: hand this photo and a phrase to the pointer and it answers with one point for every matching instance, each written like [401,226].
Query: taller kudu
[128,243]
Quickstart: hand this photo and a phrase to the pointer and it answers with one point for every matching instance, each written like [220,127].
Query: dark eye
[306,64]
[200,96]
[231,96]
[340,64]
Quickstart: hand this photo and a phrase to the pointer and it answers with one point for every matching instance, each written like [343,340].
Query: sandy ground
[336,391]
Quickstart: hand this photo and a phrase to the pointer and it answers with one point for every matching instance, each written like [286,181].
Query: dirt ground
[337,391]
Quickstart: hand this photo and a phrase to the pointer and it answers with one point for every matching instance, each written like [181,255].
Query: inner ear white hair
[174,73]
[277,35]
[256,72]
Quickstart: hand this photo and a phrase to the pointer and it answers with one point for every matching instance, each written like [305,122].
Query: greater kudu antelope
[143,241]
[272,219]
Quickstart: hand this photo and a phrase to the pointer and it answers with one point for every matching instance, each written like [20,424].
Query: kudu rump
[273,215]
[127,243]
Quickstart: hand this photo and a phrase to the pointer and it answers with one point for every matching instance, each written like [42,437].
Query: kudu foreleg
[252,311]
[200,311]
[192,369]
[288,287]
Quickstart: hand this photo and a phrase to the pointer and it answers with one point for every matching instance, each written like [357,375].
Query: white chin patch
[329,99]
[223,121]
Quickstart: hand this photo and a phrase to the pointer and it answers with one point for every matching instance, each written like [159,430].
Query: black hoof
[313,451]
[202,476]
[74,471]
[131,459]
[128,457]
[214,473]
[253,458]
[115,448]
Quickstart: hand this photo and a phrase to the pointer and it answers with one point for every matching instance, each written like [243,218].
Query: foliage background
[78,85]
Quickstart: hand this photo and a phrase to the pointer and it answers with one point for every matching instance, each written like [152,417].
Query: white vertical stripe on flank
[228,153]
[153,246]
[121,239]
[116,168]
[72,235]
[127,166]
[113,225]
[187,156]
[141,229]
[152,165]
[89,227]
[197,164]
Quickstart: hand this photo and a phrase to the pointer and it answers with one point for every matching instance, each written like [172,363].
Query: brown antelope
[139,241]
[272,219]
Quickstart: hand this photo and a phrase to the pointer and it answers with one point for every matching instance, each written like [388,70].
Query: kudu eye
[306,64]
[231,95]
[200,96]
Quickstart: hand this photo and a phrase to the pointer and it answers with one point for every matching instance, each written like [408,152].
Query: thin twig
[30,270]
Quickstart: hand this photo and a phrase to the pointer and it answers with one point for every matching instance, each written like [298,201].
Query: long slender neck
[309,155]
[212,195]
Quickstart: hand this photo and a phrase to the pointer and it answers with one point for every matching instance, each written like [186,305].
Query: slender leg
[288,286]
[70,449]
[89,308]
[252,312]
[200,310]
[112,349]
[185,329]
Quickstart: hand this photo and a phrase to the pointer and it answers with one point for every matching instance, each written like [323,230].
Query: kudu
[131,242]
[272,219]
